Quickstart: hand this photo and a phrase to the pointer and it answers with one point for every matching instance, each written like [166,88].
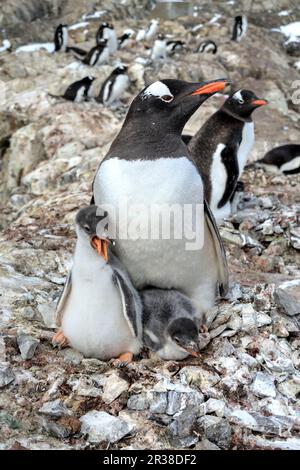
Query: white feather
[291,165]
[120,85]
[245,145]
[159,50]
[157,89]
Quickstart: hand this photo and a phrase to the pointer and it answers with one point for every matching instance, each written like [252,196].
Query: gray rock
[290,388]
[56,429]
[249,323]
[7,375]
[55,408]
[159,402]
[71,356]
[100,426]
[113,387]
[178,401]
[263,385]
[212,406]
[277,425]
[27,345]
[287,297]
[216,430]
[196,376]
[205,444]
[182,424]
[138,402]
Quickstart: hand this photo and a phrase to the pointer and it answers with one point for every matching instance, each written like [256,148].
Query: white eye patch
[238,96]
[160,90]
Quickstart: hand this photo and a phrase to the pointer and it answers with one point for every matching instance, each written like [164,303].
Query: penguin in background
[97,55]
[77,52]
[169,325]
[159,49]
[99,312]
[107,31]
[221,147]
[240,27]
[78,91]
[174,46]
[148,33]
[207,46]
[114,86]
[149,153]
[61,38]
[124,39]
[283,159]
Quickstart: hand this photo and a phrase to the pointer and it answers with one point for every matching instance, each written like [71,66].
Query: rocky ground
[244,390]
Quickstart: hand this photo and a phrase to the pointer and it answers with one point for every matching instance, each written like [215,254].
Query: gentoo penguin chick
[169,326]
[148,33]
[99,312]
[174,46]
[114,86]
[159,50]
[98,54]
[207,46]
[284,159]
[221,147]
[240,27]
[78,91]
[61,38]
[124,39]
[106,31]
[157,172]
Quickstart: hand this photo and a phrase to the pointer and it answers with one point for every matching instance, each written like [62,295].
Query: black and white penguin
[107,31]
[169,325]
[97,55]
[148,33]
[99,312]
[77,52]
[284,159]
[240,27]
[78,91]
[114,86]
[207,46]
[174,46]
[221,147]
[124,39]
[61,38]
[159,49]
[149,168]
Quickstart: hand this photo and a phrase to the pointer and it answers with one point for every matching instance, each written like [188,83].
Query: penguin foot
[59,340]
[203,329]
[123,360]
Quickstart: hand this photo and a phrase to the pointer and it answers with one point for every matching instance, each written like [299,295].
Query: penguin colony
[123,294]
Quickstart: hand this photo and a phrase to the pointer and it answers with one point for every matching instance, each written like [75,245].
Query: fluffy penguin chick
[99,312]
[114,86]
[169,324]
[221,147]
[284,159]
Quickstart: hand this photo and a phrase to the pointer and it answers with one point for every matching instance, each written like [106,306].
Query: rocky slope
[244,391]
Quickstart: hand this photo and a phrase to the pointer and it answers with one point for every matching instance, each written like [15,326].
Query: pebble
[216,430]
[113,387]
[287,297]
[27,346]
[7,375]
[55,408]
[263,385]
[100,426]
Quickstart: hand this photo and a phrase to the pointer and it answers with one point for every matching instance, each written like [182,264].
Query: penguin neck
[86,260]
[246,118]
[149,139]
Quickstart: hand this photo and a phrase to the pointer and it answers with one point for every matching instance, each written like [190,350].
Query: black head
[184,332]
[107,25]
[87,220]
[161,37]
[242,103]
[89,78]
[168,104]
[120,70]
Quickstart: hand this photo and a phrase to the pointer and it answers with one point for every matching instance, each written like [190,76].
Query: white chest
[119,86]
[218,178]
[159,50]
[79,94]
[245,146]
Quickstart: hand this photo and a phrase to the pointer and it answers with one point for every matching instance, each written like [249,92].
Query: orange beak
[101,246]
[192,352]
[259,102]
[209,88]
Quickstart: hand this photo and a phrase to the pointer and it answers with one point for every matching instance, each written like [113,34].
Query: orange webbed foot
[59,340]
[123,360]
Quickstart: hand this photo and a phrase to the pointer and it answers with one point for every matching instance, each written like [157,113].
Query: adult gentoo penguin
[174,46]
[99,311]
[240,27]
[77,91]
[147,168]
[221,147]
[284,159]
[97,55]
[159,49]
[107,31]
[124,39]
[169,325]
[207,46]
[114,86]
[61,38]
[148,33]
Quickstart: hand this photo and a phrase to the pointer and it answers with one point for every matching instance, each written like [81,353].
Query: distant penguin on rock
[221,147]
[107,31]
[148,33]
[124,39]
[284,159]
[208,46]
[78,91]
[240,27]
[61,38]
[159,50]
[114,86]
[174,46]
[98,54]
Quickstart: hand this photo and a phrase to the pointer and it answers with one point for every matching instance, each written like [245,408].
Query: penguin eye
[241,101]
[167,98]
[86,228]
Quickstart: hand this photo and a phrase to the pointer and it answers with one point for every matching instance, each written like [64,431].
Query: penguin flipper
[62,301]
[220,250]
[131,303]
[229,158]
